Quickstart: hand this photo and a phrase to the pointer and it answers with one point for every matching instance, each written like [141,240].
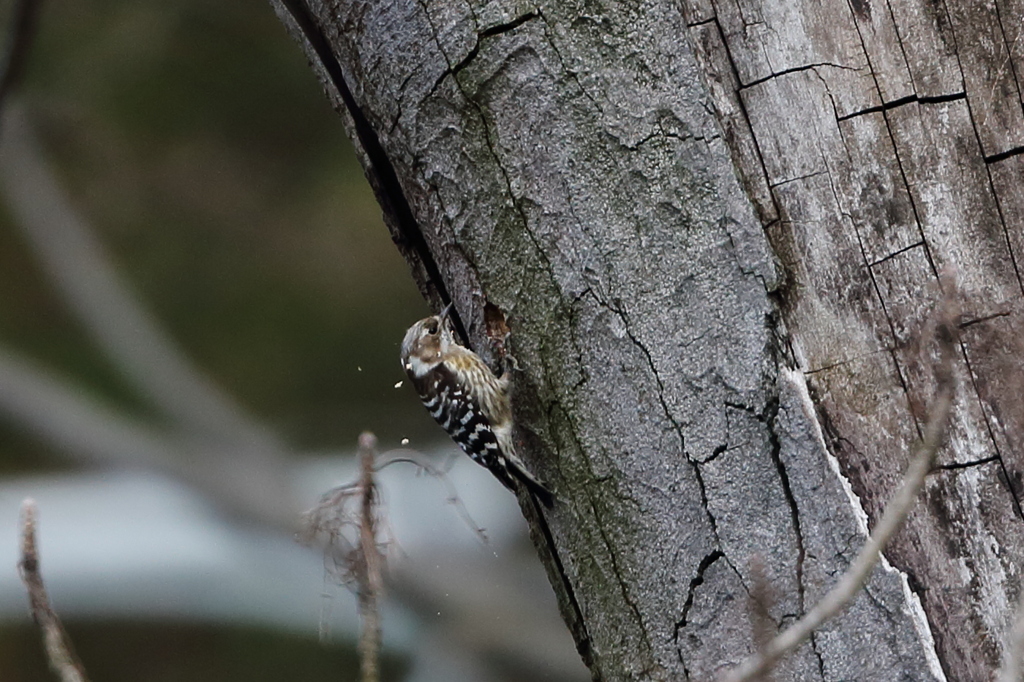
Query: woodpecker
[467,399]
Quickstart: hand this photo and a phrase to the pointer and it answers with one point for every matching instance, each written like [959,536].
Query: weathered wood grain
[873,204]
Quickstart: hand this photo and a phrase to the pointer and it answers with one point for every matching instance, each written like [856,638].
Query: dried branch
[373,570]
[337,519]
[895,512]
[418,459]
[59,651]
[19,41]
[762,599]
[347,517]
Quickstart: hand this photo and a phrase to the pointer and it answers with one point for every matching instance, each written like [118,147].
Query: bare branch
[895,512]
[59,651]
[373,574]
[420,460]
[357,552]
[347,517]
[349,521]
[762,599]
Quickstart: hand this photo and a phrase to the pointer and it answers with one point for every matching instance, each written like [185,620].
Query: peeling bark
[714,230]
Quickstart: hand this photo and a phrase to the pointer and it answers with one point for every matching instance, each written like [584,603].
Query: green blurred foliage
[196,140]
[158,652]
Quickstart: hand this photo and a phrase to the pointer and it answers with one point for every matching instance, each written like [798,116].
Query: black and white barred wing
[459,414]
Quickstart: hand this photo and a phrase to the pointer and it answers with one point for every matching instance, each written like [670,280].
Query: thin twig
[370,586]
[762,599]
[59,651]
[418,459]
[895,512]
[19,41]
[347,517]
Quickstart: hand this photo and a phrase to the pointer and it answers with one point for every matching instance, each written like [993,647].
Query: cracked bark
[714,229]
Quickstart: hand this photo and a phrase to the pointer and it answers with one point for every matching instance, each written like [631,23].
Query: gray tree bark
[714,230]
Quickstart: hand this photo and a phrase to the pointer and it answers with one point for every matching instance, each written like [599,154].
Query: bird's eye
[432,327]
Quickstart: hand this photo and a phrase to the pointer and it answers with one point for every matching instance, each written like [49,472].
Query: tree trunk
[715,231]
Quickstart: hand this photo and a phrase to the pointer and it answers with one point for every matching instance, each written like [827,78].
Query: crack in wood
[996,157]
[571,72]
[897,252]
[695,582]
[1002,156]
[903,101]
[623,583]
[987,420]
[746,126]
[453,70]
[953,466]
[795,69]
[767,416]
[569,604]
[538,248]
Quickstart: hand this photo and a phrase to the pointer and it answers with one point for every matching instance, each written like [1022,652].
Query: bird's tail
[532,483]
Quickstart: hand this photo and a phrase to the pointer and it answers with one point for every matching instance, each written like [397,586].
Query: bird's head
[427,342]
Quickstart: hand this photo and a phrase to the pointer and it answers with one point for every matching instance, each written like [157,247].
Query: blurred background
[200,310]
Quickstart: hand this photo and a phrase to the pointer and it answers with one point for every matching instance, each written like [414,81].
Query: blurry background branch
[131,338]
[59,651]
[81,428]
[213,445]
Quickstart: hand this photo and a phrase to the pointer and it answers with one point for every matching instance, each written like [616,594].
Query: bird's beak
[444,312]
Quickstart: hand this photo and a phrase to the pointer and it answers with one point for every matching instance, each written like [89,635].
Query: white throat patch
[418,367]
